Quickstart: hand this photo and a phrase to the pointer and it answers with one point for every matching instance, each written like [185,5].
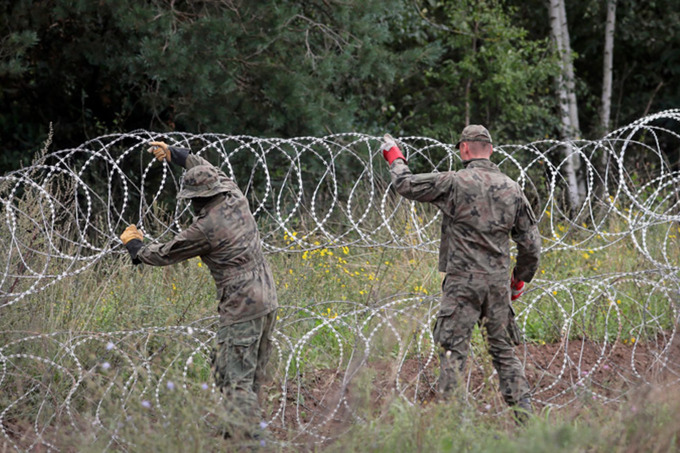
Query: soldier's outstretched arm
[179,156]
[189,243]
[162,151]
[427,187]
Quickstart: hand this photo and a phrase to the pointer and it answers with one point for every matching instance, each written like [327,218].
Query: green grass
[316,289]
[646,421]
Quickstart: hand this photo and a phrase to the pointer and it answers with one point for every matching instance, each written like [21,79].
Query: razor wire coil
[338,187]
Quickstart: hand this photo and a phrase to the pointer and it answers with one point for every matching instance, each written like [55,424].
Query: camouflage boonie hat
[474,133]
[202,181]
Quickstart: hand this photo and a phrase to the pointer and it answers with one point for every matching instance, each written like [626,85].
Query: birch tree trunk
[606,101]
[568,68]
[468,84]
[605,107]
[568,107]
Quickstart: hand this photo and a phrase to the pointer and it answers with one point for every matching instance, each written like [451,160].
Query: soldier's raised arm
[184,158]
[427,187]
[179,156]
[162,151]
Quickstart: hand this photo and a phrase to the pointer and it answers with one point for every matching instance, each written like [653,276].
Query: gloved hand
[131,233]
[516,287]
[160,150]
[391,151]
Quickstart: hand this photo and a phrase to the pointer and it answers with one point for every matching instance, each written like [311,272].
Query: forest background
[316,67]
[73,70]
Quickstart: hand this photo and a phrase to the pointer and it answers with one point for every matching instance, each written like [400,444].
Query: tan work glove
[160,150]
[131,233]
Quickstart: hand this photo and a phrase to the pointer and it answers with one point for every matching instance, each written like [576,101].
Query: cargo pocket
[243,360]
[442,331]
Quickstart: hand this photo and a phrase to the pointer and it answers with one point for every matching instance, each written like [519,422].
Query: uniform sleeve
[525,234]
[188,244]
[427,187]
[193,161]
[179,155]
[184,158]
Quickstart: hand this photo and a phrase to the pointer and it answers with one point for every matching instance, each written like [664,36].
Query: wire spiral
[63,214]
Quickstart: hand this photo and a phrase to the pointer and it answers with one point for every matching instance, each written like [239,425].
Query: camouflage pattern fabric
[482,209]
[239,367]
[466,301]
[225,235]
[204,181]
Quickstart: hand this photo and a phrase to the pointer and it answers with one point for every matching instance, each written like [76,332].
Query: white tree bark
[605,106]
[568,108]
[569,72]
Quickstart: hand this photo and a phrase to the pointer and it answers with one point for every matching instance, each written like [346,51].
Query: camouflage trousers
[466,302]
[238,366]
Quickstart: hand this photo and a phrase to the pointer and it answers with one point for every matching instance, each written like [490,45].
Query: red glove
[516,288]
[391,151]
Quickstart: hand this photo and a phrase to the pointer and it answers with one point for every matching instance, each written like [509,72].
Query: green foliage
[646,59]
[645,421]
[13,48]
[300,68]
[490,72]
[112,299]
[315,67]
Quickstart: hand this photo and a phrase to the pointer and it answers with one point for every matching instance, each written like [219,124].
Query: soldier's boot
[241,415]
[522,411]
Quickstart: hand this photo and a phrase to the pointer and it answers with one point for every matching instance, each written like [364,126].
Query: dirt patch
[324,404]
[565,371]
[328,402]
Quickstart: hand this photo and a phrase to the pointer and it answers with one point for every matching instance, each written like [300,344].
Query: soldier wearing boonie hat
[482,208]
[224,235]
[202,181]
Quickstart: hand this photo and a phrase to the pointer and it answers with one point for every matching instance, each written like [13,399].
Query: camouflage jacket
[482,208]
[224,234]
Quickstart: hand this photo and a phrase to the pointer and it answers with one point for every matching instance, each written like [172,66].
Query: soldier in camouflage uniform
[482,208]
[224,234]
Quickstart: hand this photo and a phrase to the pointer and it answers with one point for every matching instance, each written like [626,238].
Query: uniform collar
[216,199]
[479,163]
